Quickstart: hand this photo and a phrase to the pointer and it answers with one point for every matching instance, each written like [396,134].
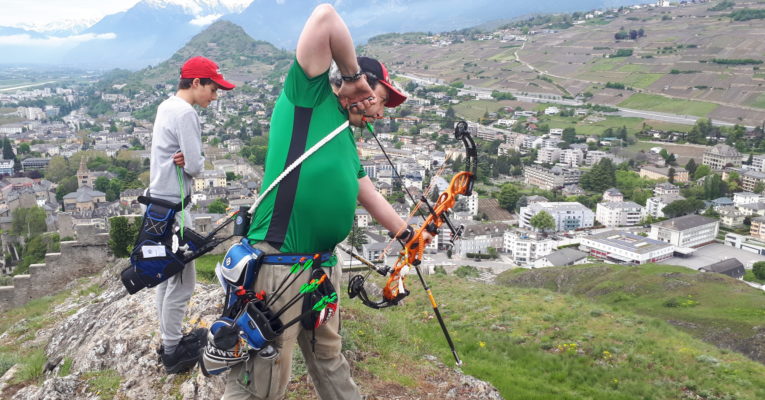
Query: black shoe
[197,337]
[186,354]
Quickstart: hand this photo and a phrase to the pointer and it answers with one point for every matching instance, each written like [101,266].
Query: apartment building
[742,198]
[750,180]
[567,215]
[618,213]
[210,178]
[550,178]
[613,194]
[651,172]
[757,229]
[665,188]
[623,247]
[526,247]
[721,156]
[655,205]
[686,231]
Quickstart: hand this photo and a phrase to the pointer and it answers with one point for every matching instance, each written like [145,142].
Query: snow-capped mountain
[203,7]
[61,28]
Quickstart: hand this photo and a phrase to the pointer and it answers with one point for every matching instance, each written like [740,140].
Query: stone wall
[88,255]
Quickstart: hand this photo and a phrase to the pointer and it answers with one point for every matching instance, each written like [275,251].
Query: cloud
[205,20]
[27,40]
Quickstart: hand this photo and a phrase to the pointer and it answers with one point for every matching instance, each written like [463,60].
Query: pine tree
[691,167]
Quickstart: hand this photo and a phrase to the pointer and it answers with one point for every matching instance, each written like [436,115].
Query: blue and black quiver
[161,249]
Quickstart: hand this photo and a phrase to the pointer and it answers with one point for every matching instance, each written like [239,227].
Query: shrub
[759,269]
[467,271]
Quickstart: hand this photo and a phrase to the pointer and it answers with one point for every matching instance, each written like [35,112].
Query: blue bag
[153,260]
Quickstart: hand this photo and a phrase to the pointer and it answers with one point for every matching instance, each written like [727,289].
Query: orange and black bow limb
[413,250]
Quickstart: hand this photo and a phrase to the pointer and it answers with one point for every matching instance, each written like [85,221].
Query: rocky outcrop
[116,333]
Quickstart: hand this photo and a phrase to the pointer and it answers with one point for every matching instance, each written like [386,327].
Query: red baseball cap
[200,67]
[376,68]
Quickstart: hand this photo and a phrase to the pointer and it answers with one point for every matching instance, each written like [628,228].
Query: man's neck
[185,95]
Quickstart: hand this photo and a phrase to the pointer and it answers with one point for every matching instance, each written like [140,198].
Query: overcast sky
[43,12]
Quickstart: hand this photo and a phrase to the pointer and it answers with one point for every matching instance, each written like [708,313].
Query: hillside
[95,340]
[240,57]
[712,307]
[687,53]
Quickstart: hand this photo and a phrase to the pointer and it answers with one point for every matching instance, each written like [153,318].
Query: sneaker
[197,337]
[186,354]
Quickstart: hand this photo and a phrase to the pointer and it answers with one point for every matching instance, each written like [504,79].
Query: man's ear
[195,82]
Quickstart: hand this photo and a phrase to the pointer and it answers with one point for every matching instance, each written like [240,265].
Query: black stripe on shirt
[285,195]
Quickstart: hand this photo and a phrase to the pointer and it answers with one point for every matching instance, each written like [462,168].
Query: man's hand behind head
[357,95]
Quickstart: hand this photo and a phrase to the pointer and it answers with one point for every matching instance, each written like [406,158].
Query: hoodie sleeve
[190,141]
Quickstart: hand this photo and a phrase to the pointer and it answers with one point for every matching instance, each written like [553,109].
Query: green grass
[719,306]
[36,314]
[538,344]
[8,358]
[652,102]
[593,128]
[66,367]
[633,68]
[605,64]
[749,277]
[475,109]
[641,80]
[31,366]
[206,267]
[103,383]
[507,55]
[759,101]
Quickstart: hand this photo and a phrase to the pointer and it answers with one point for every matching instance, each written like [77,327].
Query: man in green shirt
[312,209]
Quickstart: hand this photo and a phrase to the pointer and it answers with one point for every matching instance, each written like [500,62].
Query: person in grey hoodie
[176,157]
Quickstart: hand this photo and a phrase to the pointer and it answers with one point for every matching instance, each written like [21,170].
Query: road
[557,99]
[665,117]
[26,86]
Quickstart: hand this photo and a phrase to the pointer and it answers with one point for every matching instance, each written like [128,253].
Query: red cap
[370,65]
[200,67]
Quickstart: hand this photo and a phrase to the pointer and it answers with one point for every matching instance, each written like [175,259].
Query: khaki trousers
[261,379]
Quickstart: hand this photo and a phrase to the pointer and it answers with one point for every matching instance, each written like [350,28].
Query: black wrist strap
[405,235]
[352,78]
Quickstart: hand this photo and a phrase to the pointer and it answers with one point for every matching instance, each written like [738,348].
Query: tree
[217,206]
[601,177]
[569,135]
[24,148]
[759,270]
[357,237]
[58,169]
[682,207]
[701,171]
[671,175]
[711,213]
[28,221]
[759,187]
[66,186]
[691,167]
[35,250]
[542,221]
[101,184]
[508,197]
[122,236]
[8,153]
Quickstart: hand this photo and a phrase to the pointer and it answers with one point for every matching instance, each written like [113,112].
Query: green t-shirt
[311,209]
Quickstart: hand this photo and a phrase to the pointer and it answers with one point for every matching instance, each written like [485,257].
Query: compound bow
[413,250]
